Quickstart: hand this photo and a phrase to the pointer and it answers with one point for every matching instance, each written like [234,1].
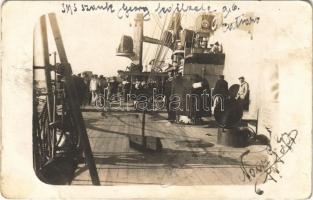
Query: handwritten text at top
[124,10]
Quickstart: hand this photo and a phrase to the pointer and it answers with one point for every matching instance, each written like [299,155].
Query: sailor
[94,89]
[220,91]
[81,88]
[144,90]
[168,93]
[113,88]
[195,104]
[243,93]
[216,48]
[221,87]
[126,89]
[197,41]
[102,84]
[87,98]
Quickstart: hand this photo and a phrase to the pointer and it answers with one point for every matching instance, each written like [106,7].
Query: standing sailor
[243,93]
[94,89]
[168,93]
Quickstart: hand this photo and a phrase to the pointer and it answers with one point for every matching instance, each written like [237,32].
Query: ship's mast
[138,39]
[131,47]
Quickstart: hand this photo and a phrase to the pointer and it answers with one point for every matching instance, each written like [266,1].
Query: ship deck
[190,154]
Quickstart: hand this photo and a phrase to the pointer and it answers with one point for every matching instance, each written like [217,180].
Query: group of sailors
[184,97]
[240,94]
[237,93]
[146,87]
[89,88]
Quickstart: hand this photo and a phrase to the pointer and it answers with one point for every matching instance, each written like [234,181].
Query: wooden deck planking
[112,147]
[180,164]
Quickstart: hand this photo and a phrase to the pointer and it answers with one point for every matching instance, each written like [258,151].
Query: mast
[138,39]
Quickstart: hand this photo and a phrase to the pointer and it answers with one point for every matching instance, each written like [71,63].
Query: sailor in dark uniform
[126,89]
[168,93]
[81,88]
[220,91]
[221,87]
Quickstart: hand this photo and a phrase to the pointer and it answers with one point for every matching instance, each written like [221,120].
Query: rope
[158,48]
[160,53]
[149,45]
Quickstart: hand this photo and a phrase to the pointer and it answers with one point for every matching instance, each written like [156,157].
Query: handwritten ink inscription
[125,9]
[267,169]
[69,8]
[240,21]
[73,8]
[232,18]
[226,10]
[182,7]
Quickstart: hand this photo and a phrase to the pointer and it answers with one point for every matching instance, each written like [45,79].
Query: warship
[84,146]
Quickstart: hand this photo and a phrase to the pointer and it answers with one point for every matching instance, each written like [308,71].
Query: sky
[91,39]
[91,43]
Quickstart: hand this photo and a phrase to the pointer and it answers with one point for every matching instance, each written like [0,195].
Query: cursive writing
[266,169]
[182,7]
[230,13]
[125,10]
[108,7]
[73,8]
[240,22]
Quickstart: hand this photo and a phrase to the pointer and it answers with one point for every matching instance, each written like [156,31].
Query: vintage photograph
[171,94]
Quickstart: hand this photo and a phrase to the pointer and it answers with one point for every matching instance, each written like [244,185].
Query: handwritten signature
[240,21]
[267,169]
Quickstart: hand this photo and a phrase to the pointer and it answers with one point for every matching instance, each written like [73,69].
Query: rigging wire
[159,46]
[157,20]
[160,52]
[148,47]
[158,49]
